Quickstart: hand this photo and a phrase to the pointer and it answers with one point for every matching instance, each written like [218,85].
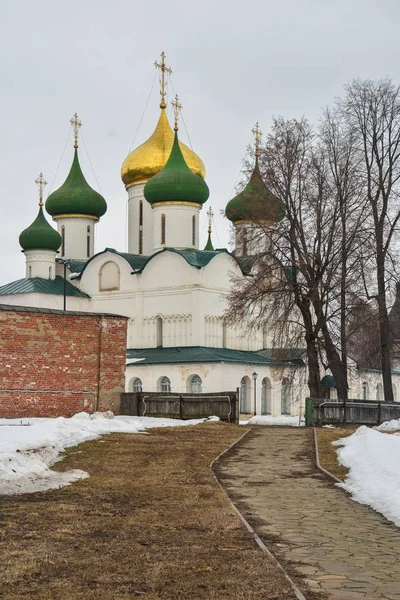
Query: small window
[244,395]
[163,226]
[141,227]
[194,230]
[50,272]
[379,392]
[62,240]
[29,271]
[159,332]
[88,241]
[244,241]
[137,385]
[165,385]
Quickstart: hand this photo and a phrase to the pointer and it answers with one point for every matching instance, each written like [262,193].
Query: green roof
[75,196]
[255,202]
[176,182]
[195,258]
[42,286]
[196,354]
[76,266]
[40,235]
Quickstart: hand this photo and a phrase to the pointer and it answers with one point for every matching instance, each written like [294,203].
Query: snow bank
[374,478]
[393,425]
[28,447]
[268,420]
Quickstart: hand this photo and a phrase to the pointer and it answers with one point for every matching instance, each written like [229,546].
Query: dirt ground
[327,452]
[150,522]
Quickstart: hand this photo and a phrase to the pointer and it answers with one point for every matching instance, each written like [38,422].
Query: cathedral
[173,292]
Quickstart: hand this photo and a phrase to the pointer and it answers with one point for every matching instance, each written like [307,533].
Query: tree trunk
[384,330]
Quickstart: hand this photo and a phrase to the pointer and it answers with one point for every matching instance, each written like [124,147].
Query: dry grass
[149,523]
[327,452]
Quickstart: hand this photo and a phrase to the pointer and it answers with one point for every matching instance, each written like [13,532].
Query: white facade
[175,224]
[40,263]
[140,222]
[77,234]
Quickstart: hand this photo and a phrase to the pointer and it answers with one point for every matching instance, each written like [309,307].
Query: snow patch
[374,478]
[29,447]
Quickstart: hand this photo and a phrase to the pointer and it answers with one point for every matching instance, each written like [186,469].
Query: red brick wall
[60,351]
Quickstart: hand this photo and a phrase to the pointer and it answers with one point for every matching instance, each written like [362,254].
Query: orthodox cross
[76,124]
[41,182]
[177,109]
[257,134]
[210,215]
[164,70]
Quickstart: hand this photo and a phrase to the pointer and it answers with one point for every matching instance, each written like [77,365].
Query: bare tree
[371,111]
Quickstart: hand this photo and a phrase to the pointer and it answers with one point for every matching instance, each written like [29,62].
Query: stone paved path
[343,548]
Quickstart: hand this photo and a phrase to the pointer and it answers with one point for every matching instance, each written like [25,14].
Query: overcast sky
[233,63]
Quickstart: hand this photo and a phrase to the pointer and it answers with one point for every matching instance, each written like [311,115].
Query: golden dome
[149,158]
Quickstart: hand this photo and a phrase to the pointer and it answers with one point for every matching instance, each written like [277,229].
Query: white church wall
[48,301]
[225,377]
[175,225]
[40,263]
[135,197]
[91,281]
[78,235]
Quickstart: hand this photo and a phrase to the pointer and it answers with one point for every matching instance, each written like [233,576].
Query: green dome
[176,182]
[40,235]
[255,202]
[75,196]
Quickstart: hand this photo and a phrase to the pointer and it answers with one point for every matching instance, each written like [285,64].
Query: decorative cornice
[176,203]
[75,216]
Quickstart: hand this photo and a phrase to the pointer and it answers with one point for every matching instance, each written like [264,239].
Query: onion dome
[255,202]
[148,159]
[209,246]
[75,196]
[176,182]
[40,235]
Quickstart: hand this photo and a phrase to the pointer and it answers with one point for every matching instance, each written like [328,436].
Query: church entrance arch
[266,408]
[244,395]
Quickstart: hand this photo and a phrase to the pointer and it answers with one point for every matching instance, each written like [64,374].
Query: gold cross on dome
[164,70]
[41,182]
[210,215]
[76,124]
[257,134]
[177,109]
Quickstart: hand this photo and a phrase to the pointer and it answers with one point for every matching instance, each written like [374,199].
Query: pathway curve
[342,548]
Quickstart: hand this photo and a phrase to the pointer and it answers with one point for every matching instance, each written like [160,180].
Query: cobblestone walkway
[342,548]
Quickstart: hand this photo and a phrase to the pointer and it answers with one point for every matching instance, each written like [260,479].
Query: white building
[173,293]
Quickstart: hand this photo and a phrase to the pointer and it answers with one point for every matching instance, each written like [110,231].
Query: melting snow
[27,452]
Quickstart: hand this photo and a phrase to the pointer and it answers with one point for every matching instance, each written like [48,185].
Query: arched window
[163,226]
[159,332]
[194,230]
[141,227]
[244,395]
[137,385]
[365,390]
[88,241]
[286,392]
[224,334]
[394,392]
[379,392]
[164,385]
[244,241]
[194,384]
[265,337]
[109,276]
[50,272]
[29,271]
[62,240]
[266,396]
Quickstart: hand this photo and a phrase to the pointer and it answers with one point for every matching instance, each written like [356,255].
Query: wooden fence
[224,405]
[363,412]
